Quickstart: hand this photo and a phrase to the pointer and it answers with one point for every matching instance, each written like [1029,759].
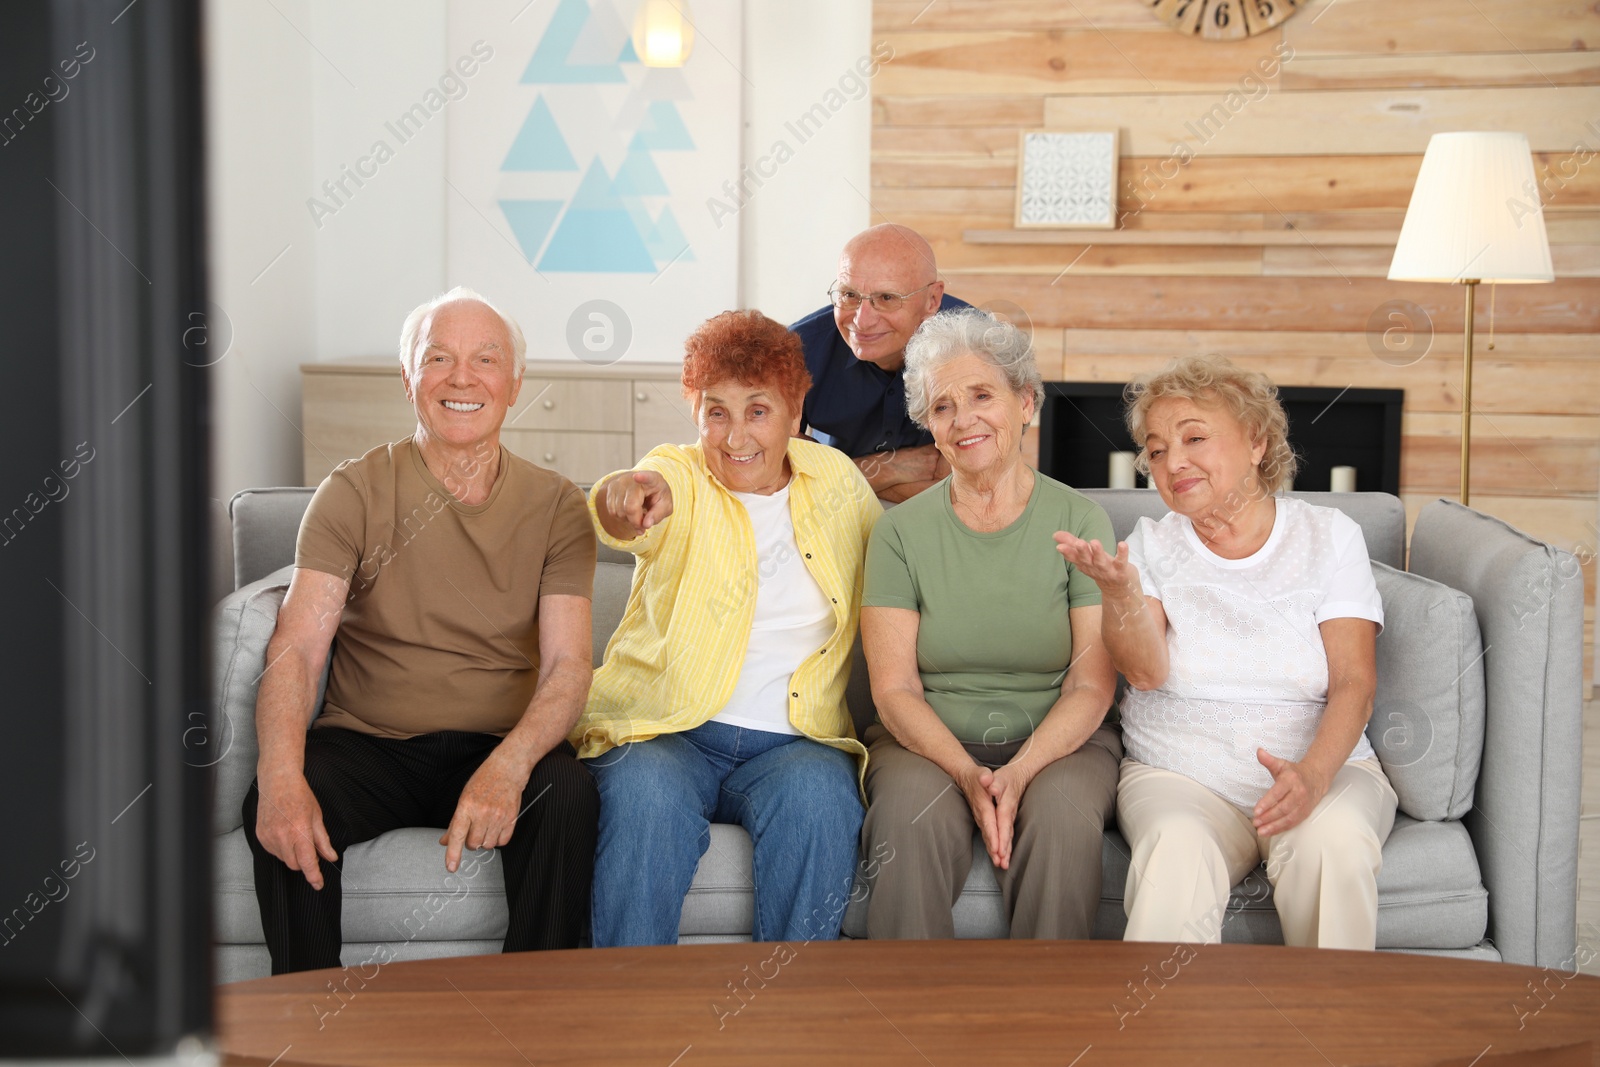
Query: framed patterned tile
[1067,180]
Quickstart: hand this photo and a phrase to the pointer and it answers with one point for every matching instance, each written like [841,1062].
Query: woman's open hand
[1115,575]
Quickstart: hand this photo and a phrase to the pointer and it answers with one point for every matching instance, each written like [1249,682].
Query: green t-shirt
[994,640]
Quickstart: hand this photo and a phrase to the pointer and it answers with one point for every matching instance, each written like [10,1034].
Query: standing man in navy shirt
[855,349]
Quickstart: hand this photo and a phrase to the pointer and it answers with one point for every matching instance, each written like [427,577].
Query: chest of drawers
[582,421]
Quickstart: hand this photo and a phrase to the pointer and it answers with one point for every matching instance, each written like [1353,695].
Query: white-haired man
[457,580]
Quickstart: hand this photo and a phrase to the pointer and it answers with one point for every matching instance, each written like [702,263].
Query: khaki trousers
[917,842]
[1190,847]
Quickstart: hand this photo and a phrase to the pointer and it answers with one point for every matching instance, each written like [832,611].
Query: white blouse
[1247,664]
[793,618]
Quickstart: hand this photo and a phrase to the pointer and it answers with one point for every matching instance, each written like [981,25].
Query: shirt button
[795,695]
[808,555]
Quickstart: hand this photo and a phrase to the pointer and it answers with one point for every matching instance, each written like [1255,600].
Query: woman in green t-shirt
[988,672]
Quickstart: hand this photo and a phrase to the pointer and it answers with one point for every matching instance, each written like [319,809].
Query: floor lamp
[1474,217]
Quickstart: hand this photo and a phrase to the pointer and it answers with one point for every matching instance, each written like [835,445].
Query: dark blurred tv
[104,880]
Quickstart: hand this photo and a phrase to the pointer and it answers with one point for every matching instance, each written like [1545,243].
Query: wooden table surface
[1075,1004]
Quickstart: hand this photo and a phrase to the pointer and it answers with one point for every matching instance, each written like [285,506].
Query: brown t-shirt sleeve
[570,556]
[333,533]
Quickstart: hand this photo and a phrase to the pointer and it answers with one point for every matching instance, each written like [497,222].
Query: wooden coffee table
[1074,1004]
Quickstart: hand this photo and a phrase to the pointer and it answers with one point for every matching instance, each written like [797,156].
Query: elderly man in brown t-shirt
[452,581]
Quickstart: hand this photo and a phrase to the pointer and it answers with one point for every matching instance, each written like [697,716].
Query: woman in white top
[1245,624]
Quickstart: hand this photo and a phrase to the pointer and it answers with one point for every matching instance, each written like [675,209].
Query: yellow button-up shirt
[675,657]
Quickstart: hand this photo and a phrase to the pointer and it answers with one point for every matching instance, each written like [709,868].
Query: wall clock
[1223,20]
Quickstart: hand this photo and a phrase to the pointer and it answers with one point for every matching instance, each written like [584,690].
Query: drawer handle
[549,457]
[641,397]
[549,405]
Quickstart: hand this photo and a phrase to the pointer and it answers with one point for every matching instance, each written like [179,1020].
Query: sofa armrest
[1528,597]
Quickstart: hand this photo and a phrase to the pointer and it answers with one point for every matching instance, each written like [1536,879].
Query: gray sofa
[1478,722]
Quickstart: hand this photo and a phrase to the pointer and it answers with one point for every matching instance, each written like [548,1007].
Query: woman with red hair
[721,698]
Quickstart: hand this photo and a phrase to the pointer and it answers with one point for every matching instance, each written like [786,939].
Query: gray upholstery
[1527,599]
[265,525]
[1427,716]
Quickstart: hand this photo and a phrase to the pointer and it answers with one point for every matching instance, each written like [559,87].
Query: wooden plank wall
[1329,140]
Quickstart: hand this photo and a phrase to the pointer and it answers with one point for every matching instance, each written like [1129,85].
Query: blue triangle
[596,235]
[628,54]
[539,144]
[663,127]
[638,176]
[604,242]
[640,216]
[595,191]
[549,62]
[531,221]
[666,240]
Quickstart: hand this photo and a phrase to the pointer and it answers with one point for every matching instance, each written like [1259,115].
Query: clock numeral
[1264,9]
[1220,17]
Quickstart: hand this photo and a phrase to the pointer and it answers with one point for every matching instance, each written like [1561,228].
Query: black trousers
[368,786]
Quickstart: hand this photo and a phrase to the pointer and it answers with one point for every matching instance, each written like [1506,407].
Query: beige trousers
[1190,847]
[917,841]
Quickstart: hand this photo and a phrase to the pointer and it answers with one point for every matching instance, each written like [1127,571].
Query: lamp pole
[1466,392]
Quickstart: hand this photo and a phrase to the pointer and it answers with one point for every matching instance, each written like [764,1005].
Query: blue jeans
[658,798]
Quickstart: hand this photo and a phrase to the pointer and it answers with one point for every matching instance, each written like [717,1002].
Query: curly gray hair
[968,331]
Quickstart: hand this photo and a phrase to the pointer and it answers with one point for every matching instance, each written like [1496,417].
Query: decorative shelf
[1245,238]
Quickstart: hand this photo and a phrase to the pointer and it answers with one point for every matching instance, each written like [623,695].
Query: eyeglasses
[883,303]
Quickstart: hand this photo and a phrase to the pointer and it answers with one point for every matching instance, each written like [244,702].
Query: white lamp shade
[1474,214]
[663,35]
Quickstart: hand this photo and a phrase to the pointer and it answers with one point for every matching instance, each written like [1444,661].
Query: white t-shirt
[793,618]
[1247,664]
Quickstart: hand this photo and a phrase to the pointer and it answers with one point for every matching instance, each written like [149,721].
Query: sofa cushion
[1430,891]
[1430,894]
[396,889]
[1428,712]
[238,963]
[721,898]
[235,919]
[613,581]
[241,628]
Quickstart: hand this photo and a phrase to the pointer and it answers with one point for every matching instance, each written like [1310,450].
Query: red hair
[749,348]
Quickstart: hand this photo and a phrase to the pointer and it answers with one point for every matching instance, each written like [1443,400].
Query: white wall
[382,253]
[797,221]
[258,155]
[297,90]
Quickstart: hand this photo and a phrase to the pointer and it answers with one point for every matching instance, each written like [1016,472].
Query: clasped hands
[994,796]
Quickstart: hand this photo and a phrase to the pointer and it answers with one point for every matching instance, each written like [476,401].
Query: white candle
[1120,474]
[1342,480]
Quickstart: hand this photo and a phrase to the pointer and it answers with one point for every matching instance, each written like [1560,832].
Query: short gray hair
[959,332]
[411,331]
